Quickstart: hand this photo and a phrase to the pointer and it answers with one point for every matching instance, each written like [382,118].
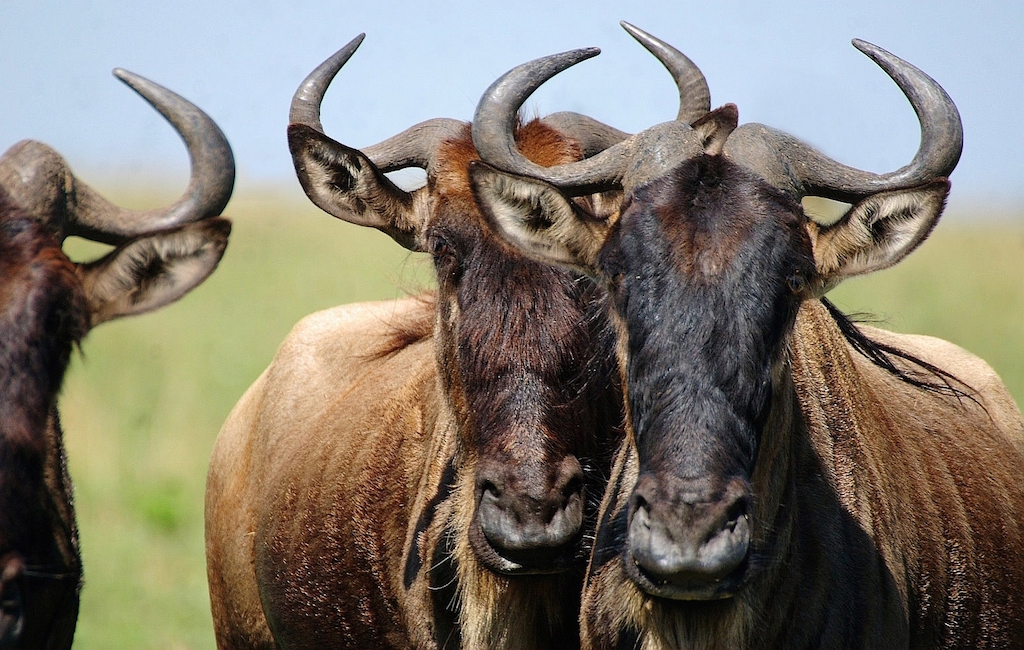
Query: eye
[796,282]
[610,262]
[445,259]
[439,246]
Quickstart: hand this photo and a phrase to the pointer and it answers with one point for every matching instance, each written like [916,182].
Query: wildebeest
[423,473]
[417,473]
[47,304]
[787,480]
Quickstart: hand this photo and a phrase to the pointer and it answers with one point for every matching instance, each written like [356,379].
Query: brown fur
[47,304]
[880,483]
[918,497]
[42,316]
[884,512]
[342,493]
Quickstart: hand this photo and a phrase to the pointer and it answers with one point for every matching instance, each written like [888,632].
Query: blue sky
[789,65]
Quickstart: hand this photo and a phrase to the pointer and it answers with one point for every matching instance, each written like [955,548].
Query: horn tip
[572,57]
[633,30]
[336,61]
[138,83]
[124,75]
[870,49]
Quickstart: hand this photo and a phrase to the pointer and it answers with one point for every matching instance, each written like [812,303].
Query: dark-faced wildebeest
[416,473]
[785,480]
[47,304]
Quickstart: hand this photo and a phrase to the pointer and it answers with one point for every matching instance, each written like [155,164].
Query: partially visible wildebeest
[421,473]
[47,304]
[787,481]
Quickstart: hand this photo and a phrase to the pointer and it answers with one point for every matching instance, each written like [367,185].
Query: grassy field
[142,405]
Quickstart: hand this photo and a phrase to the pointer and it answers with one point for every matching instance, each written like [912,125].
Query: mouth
[537,561]
[686,590]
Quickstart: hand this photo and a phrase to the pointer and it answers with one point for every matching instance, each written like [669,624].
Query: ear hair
[150,272]
[877,232]
[537,218]
[714,128]
[343,182]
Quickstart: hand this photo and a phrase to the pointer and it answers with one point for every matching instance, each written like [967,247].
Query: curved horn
[592,135]
[415,147]
[694,98]
[626,164]
[494,123]
[694,94]
[802,170]
[210,185]
[305,107]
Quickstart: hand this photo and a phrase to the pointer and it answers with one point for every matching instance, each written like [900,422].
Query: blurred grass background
[143,403]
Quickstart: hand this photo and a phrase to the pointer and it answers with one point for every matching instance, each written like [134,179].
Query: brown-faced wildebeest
[787,480]
[417,473]
[47,304]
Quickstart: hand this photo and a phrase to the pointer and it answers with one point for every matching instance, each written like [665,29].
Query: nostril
[569,477]
[573,488]
[640,506]
[488,488]
[737,513]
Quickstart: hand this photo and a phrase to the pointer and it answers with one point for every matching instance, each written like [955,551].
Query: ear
[343,182]
[152,271]
[537,218]
[714,128]
[877,232]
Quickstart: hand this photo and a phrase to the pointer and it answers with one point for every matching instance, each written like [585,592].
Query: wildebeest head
[707,262]
[524,351]
[47,304]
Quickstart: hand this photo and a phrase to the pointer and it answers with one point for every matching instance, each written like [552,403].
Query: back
[333,406]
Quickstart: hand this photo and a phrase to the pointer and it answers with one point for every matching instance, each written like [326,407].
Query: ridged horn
[694,94]
[417,146]
[632,162]
[796,167]
[210,185]
[494,124]
[694,98]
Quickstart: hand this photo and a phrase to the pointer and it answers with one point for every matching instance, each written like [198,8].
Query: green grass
[143,404]
[965,284]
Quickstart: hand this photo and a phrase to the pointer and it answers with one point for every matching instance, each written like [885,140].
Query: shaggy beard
[497,612]
[613,604]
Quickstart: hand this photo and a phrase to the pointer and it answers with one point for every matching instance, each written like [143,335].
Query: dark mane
[42,316]
[929,378]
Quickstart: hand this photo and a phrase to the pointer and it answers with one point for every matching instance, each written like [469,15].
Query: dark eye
[439,247]
[445,260]
[796,282]
[610,262]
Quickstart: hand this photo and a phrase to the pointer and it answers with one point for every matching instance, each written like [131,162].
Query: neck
[35,501]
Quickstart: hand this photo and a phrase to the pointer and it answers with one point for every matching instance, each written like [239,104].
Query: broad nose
[528,516]
[692,541]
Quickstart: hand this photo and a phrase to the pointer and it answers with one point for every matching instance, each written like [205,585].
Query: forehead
[497,267]
[539,142]
[707,216]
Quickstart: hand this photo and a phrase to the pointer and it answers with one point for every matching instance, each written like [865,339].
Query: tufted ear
[876,233]
[537,218]
[344,183]
[152,271]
